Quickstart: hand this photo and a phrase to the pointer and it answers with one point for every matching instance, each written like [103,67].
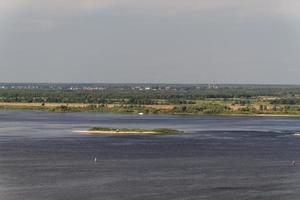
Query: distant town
[91,86]
[135,86]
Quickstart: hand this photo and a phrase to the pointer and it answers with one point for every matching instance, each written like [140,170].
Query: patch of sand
[297,134]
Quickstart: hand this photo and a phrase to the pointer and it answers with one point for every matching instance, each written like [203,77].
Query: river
[218,157]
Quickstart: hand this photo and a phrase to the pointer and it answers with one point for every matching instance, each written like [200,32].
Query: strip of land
[115,132]
[251,100]
[201,107]
[109,131]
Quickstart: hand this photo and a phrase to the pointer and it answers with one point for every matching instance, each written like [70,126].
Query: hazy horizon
[157,41]
[147,83]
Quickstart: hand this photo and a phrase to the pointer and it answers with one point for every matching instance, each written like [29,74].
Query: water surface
[217,157]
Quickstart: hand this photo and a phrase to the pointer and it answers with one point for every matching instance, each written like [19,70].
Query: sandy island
[104,130]
[116,132]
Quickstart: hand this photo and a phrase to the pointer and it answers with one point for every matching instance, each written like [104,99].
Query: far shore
[112,108]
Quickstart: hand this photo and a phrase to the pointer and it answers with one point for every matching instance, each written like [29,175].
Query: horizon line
[152,83]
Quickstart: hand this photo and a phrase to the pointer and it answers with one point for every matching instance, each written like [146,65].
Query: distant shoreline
[109,108]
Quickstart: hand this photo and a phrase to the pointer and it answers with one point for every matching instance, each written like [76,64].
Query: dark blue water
[42,158]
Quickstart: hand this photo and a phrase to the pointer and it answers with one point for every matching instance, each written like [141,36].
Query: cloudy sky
[161,41]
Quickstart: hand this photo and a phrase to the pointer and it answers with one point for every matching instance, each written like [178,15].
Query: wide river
[42,158]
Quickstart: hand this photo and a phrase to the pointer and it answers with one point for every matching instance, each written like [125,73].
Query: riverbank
[173,109]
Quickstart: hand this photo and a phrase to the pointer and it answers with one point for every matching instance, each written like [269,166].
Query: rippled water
[42,158]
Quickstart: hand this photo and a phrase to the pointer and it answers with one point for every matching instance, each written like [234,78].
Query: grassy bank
[201,107]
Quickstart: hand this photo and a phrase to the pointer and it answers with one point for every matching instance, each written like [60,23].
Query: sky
[150,41]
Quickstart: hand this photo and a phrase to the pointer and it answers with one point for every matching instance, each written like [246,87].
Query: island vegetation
[156,99]
[103,130]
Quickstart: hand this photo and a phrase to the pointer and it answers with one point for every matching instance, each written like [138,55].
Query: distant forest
[151,96]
